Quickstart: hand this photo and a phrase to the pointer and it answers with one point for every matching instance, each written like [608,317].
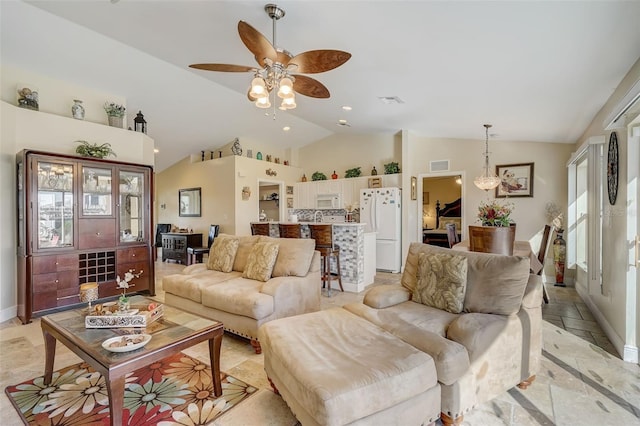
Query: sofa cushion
[191,286]
[240,296]
[294,256]
[385,295]
[222,253]
[442,281]
[245,244]
[261,260]
[495,283]
[424,328]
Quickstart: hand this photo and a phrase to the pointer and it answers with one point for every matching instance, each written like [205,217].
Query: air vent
[390,100]
[439,166]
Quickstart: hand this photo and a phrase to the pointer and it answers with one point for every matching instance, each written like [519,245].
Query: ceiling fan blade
[256,43]
[222,67]
[309,87]
[315,61]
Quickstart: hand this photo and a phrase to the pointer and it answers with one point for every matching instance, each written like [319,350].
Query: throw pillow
[442,281]
[261,260]
[222,253]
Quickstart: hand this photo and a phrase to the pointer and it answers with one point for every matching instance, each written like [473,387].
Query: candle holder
[89,293]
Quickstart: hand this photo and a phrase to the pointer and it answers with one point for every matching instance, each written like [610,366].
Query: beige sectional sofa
[491,342]
[242,304]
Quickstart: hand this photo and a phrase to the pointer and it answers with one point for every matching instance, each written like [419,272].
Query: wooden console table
[174,245]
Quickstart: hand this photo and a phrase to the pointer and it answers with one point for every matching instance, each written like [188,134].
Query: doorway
[269,197]
[435,192]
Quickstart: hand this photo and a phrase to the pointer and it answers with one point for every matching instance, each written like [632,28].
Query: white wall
[222,181]
[414,153]
[56,97]
[613,310]
[341,152]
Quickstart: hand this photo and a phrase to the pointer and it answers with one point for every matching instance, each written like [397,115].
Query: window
[586,211]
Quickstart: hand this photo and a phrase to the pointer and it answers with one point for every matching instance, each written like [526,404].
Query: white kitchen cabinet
[333,186]
[304,195]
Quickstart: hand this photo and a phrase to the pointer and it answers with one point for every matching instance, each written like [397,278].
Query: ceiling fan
[279,70]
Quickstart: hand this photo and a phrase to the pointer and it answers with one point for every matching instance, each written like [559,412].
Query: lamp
[488,180]
[139,123]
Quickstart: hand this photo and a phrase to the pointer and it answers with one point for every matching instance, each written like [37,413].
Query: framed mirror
[189,202]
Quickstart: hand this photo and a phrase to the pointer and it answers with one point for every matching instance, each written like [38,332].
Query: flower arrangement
[114,110]
[124,284]
[555,216]
[492,213]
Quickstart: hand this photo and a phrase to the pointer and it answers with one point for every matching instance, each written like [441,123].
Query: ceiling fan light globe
[289,103]
[263,102]
[258,88]
[285,89]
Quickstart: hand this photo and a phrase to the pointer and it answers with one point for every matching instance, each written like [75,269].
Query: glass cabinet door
[131,203]
[55,205]
[96,191]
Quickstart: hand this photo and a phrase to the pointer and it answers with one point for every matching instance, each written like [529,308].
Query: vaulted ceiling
[536,70]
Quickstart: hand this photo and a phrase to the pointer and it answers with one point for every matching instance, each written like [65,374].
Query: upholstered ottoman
[335,368]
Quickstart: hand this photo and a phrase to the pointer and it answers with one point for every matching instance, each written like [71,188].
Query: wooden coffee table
[174,331]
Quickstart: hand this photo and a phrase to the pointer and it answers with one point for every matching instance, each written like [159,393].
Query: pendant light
[488,180]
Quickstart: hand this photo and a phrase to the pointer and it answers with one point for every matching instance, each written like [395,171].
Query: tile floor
[582,380]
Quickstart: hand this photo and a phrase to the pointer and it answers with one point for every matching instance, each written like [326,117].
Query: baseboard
[8,313]
[627,352]
[631,354]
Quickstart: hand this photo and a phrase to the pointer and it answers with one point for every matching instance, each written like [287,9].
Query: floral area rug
[175,391]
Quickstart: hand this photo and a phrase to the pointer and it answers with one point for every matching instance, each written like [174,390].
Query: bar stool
[290,230]
[194,254]
[323,234]
[260,229]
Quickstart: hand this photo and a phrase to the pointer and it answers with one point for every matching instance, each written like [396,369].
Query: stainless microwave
[328,201]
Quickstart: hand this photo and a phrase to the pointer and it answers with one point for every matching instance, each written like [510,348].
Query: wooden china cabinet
[80,220]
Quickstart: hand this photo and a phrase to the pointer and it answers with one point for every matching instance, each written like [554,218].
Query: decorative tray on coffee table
[110,317]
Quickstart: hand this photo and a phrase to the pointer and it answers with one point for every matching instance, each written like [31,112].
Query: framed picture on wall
[289,190]
[375,182]
[516,180]
[289,203]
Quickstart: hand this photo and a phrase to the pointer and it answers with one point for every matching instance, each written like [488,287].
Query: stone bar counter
[357,252]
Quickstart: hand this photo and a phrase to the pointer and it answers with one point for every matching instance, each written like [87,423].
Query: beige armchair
[492,345]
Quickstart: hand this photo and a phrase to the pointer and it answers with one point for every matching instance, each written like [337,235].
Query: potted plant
[318,176]
[391,168]
[87,149]
[351,173]
[115,113]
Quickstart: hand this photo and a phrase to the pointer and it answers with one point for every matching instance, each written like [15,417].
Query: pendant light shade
[487,180]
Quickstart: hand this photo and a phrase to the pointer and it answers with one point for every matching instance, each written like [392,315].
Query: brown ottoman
[335,368]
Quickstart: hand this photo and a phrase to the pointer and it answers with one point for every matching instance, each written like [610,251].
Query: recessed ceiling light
[390,100]
[343,122]
[286,128]
[156,150]
[346,108]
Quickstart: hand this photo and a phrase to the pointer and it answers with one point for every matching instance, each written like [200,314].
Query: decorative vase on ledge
[559,257]
[115,121]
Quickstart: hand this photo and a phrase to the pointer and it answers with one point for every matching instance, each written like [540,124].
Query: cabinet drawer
[56,281]
[44,264]
[43,283]
[45,300]
[133,254]
[97,233]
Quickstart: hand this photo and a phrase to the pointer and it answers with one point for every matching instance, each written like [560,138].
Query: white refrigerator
[381,210]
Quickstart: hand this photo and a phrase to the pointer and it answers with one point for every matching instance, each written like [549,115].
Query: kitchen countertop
[319,223]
